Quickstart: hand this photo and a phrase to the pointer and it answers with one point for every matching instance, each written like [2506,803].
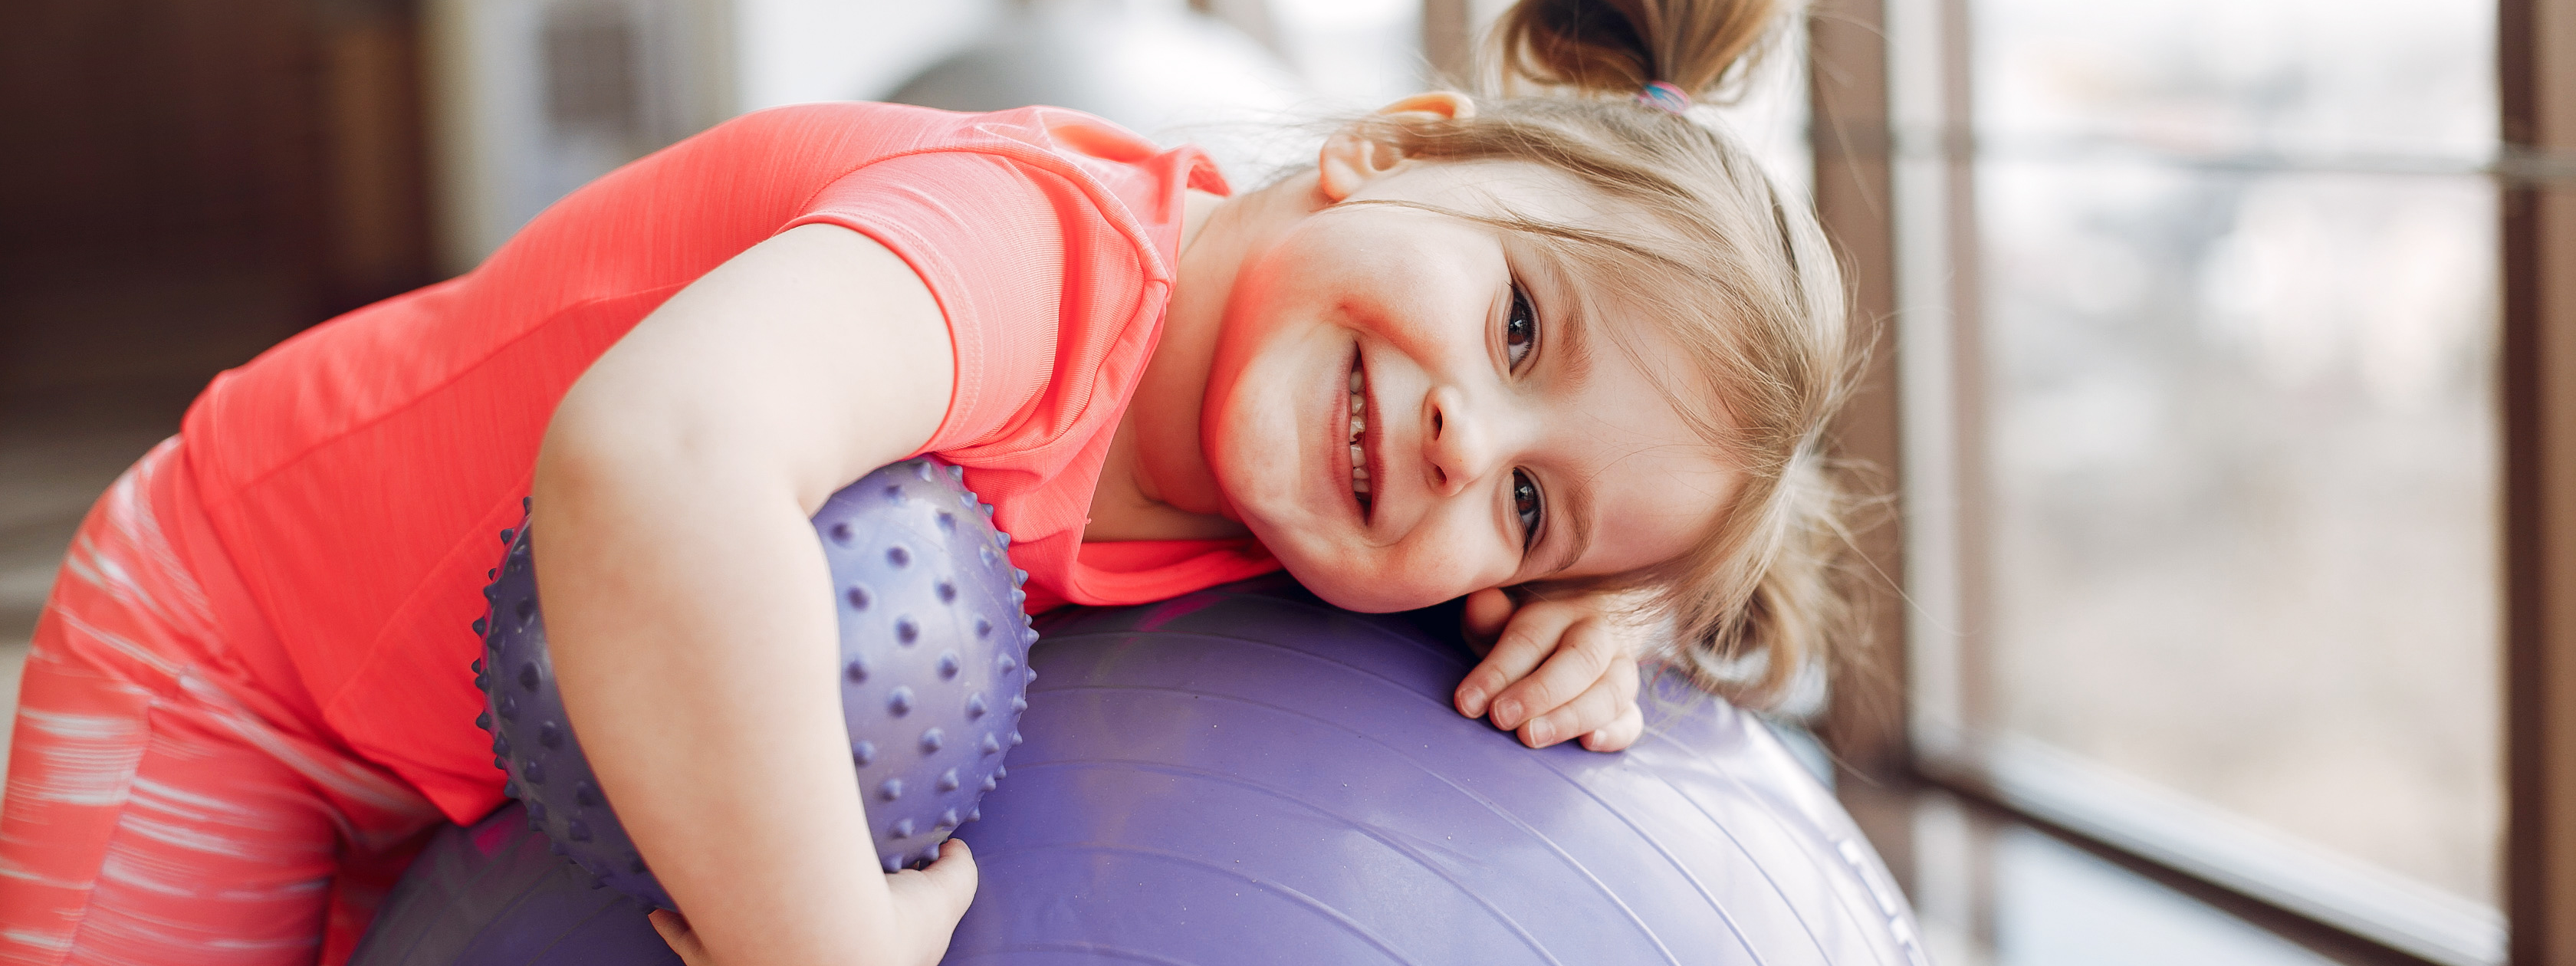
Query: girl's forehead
[1502,187]
[1527,192]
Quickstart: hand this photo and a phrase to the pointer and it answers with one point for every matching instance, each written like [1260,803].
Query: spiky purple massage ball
[934,674]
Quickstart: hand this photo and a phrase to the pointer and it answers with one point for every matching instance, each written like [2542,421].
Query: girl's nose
[1458,447]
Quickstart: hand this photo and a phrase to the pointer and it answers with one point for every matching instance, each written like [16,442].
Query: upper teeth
[1359,425]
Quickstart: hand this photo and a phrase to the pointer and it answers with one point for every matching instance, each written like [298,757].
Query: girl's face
[1406,406]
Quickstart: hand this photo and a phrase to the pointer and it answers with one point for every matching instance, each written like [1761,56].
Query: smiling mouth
[1358,438]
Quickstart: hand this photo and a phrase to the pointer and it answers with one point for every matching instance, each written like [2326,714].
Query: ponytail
[1614,48]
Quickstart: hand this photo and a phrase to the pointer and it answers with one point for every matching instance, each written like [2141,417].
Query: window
[2226,489]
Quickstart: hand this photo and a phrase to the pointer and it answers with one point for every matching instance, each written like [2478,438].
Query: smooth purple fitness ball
[1246,776]
[934,674]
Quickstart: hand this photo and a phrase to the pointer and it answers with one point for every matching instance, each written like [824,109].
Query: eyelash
[1520,341]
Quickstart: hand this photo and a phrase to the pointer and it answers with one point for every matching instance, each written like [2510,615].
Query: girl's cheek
[1440,566]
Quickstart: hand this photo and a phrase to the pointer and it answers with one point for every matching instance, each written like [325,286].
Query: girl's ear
[1349,160]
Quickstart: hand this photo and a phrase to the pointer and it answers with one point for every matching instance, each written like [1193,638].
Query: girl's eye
[1520,330]
[1525,505]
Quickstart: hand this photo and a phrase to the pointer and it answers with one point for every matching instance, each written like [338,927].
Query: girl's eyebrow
[1577,513]
[1569,325]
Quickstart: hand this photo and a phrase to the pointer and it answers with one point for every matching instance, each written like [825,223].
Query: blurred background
[2195,400]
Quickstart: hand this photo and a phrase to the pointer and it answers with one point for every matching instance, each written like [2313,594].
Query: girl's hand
[927,901]
[1553,670]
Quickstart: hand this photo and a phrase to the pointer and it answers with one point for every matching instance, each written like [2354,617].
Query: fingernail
[1507,714]
[1540,734]
[1471,703]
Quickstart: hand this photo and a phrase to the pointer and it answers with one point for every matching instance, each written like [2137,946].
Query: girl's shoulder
[1037,133]
[1135,181]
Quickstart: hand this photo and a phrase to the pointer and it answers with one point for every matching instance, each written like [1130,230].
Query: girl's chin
[1332,578]
[1363,603]
[1261,491]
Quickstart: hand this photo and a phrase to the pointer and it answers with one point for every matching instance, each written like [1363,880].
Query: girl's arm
[689,609]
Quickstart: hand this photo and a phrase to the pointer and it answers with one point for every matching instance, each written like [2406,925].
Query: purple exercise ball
[1247,775]
[934,672]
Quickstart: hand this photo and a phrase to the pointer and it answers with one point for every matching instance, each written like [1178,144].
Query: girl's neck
[1155,484]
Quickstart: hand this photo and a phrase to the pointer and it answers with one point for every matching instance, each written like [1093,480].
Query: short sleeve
[987,235]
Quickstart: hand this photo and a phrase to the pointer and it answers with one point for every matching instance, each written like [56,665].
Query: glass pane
[2238,439]
[1354,55]
[1994,892]
[2347,80]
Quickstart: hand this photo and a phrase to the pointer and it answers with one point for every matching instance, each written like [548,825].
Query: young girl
[1565,355]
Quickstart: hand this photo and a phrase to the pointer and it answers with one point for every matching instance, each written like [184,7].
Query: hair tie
[1666,96]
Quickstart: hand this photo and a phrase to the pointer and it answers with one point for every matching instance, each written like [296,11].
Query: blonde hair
[1752,286]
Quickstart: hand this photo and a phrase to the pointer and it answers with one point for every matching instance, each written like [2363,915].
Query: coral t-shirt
[357,476]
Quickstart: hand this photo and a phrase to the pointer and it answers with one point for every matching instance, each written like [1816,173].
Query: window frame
[2536,67]
[1895,186]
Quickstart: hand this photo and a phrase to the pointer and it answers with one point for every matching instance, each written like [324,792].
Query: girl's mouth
[1358,439]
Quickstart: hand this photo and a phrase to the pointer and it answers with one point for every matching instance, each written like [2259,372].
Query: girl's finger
[1526,641]
[1486,612]
[1595,708]
[682,939]
[1618,734]
[940,890]
[1582,655]
[928,901]
[1623,673]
